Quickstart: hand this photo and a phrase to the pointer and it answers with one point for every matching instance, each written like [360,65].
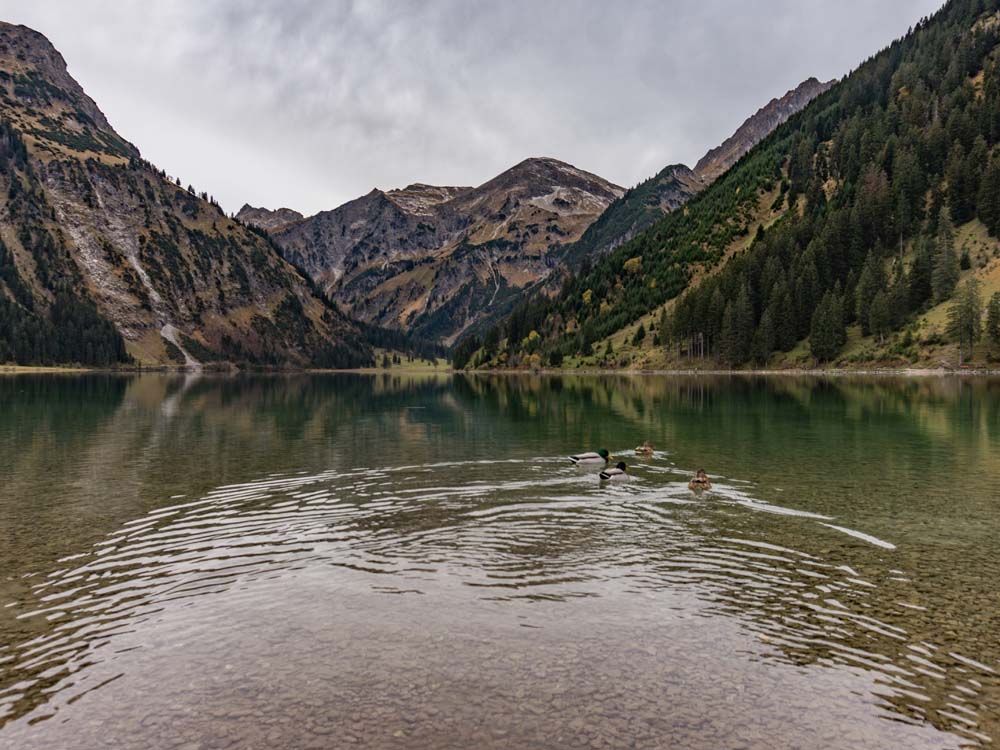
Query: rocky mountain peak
[420,198]
[50,102]
[266,218]
[436,259]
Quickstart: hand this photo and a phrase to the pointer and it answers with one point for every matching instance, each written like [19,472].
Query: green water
[401,561]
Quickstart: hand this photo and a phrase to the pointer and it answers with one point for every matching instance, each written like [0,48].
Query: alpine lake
[411,561]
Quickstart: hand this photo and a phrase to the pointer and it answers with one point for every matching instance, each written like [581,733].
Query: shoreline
[921,372]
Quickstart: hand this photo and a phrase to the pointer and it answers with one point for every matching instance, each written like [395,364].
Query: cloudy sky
[309,103]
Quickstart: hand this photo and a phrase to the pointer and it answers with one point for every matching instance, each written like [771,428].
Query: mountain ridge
[92,237]
[834,240]
[436,259]
[676,184]
[387,264]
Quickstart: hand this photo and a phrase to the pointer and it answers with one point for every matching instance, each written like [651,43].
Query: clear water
[393,561]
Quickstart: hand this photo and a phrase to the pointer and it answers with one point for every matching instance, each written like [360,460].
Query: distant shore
[813,372]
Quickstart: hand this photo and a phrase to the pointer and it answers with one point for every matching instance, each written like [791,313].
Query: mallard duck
[591,458]
[618,473]
[646,449]
[699,482]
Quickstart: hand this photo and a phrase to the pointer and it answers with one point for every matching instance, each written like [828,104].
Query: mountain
[676,184]
[104,260]
[862,231]
[441,262]
[435,260]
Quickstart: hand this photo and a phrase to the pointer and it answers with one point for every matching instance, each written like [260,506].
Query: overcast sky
[309,103]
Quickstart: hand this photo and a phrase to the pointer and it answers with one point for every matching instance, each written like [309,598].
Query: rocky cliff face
[266,219]
[435,260]
[87,225]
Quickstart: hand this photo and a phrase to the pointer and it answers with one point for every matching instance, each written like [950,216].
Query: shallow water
[392,561]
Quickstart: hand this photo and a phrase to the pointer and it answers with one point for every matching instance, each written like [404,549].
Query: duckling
[646,449]
[699,482]
[591,458]
[619,473]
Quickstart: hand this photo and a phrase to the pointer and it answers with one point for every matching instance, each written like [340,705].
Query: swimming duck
[646,449]
[699,482]
[618,473]
[591,458]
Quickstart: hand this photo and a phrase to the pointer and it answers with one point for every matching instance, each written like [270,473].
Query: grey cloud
[308,104]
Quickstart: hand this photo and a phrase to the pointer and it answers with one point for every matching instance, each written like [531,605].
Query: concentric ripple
[530,540]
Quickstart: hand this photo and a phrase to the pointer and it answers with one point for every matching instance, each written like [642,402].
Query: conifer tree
[787,327]
[765,338]
[728,344]
[743,323]
[965,318]
[872,279]
[878,316]
[988,204]
[993,320]
[827,334]
[899,298]
[921,275]
[946,271]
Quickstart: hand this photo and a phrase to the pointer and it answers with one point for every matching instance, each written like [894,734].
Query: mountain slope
[435,260]
[756,128]
[837,226]
[94,239]
[676,184]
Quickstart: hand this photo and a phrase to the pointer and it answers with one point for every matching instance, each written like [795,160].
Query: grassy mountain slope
[838,225]
[676,184]
[104,260]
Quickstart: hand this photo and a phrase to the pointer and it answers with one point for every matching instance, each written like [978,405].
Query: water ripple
[550,533]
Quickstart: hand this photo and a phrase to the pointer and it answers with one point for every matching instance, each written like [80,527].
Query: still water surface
[398,561]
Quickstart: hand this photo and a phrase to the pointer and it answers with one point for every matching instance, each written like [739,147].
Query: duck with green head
[601,456]
[618,474]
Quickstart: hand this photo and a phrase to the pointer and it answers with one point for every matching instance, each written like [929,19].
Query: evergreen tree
[491,344]
[640,334]
[946,271]
[921,274]
[993,320]
[988,204]
[899,298]
[765,338]
[827,331]
[965,318]
[872,279]
[738,330]
[787,326]
[728,338]
[878,315]
[964,260]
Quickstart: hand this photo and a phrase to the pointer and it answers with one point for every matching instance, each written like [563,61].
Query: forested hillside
[842,223]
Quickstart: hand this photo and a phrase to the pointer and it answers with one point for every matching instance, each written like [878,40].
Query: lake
[404,561]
